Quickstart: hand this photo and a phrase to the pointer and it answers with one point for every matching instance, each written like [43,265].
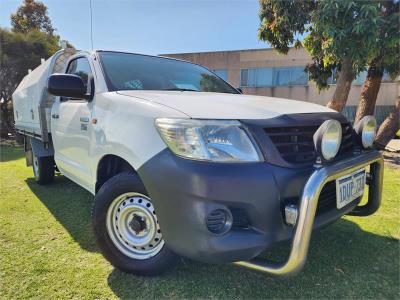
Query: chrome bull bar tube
[308,207]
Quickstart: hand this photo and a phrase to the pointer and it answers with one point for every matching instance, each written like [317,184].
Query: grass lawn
[47,250]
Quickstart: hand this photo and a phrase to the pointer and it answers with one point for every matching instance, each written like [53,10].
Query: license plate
[349,188]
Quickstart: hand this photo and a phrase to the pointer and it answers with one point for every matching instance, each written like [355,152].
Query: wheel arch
[110,165]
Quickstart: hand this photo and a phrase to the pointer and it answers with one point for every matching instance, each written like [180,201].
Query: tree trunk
[6,119]
[369,93]
[343,86]
[4,128]
[388,128]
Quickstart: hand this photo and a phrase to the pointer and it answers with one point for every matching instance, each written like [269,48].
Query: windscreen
[125,71]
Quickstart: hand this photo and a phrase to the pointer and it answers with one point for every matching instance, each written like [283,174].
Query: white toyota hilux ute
[183,164]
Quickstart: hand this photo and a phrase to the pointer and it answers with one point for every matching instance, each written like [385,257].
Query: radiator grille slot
[327,198]
[240,218]
[326,201]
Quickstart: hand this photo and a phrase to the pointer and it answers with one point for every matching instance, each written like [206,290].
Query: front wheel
[127,229]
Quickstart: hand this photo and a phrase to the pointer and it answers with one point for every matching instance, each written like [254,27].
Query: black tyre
[43,169]
[127,229]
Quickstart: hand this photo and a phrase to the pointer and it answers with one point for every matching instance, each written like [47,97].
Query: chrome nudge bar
[308,207]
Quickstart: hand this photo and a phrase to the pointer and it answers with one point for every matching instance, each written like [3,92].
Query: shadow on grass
[344,261]
[71,205]
[8,153]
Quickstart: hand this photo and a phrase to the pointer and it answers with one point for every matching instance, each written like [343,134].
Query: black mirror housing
[66,85]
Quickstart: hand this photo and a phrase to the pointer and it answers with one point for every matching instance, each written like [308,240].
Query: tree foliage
[283,21]
[388,41]
[20,52]
[387,58]
[32,15]
[336,30]
[31,38]
[210,83]
[344,30]
[341,35]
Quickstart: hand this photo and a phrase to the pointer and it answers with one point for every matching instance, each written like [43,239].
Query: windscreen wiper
[182,90]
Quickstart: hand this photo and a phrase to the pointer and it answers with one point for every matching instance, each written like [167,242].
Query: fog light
[366,130]
[327,139]
[219,221]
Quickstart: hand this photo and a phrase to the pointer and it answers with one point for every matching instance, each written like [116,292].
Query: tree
[19,52]
[340,34]
[32,38]
[388,128]
[32,15]
[210,83]
[388,58]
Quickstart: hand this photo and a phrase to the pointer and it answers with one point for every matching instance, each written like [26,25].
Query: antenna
[91,23]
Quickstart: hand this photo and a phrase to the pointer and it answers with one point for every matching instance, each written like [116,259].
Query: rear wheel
[43,169]
[127,228]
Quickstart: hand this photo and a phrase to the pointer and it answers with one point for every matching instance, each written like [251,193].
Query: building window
[222,73]
[360,79]
[265,77]
[271,77]
[282,77]
[386,78]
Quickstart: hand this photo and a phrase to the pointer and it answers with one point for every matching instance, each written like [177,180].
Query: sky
[153,26]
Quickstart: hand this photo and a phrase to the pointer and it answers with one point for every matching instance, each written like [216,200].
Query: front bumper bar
[308,205]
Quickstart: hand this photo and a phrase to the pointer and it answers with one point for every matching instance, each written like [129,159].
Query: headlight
[212,140]
[327,139]
[366,130]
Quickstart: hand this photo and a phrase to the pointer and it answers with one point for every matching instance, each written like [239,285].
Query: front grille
[347,145]
[296,145]
[327,198]
[326,201]
[240,218]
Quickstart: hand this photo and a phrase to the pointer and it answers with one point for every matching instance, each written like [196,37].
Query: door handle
[55,116]
[84,119]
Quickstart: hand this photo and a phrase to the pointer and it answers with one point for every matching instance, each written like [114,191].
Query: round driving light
[327,139]
[366,131]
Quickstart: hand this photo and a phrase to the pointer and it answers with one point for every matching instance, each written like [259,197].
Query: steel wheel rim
[35,166]
[133,227]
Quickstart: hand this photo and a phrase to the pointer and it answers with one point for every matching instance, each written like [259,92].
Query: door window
[81,67]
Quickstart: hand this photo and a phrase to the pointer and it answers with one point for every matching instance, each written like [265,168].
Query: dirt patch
[392,159]
[9,142]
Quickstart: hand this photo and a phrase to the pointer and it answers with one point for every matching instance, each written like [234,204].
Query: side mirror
[239,90]
[67,85]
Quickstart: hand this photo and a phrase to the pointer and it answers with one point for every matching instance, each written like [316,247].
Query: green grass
[47,250]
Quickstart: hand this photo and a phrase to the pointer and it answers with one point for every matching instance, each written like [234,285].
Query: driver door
[71,128]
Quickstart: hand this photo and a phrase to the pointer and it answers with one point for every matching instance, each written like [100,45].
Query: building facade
[268,73]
